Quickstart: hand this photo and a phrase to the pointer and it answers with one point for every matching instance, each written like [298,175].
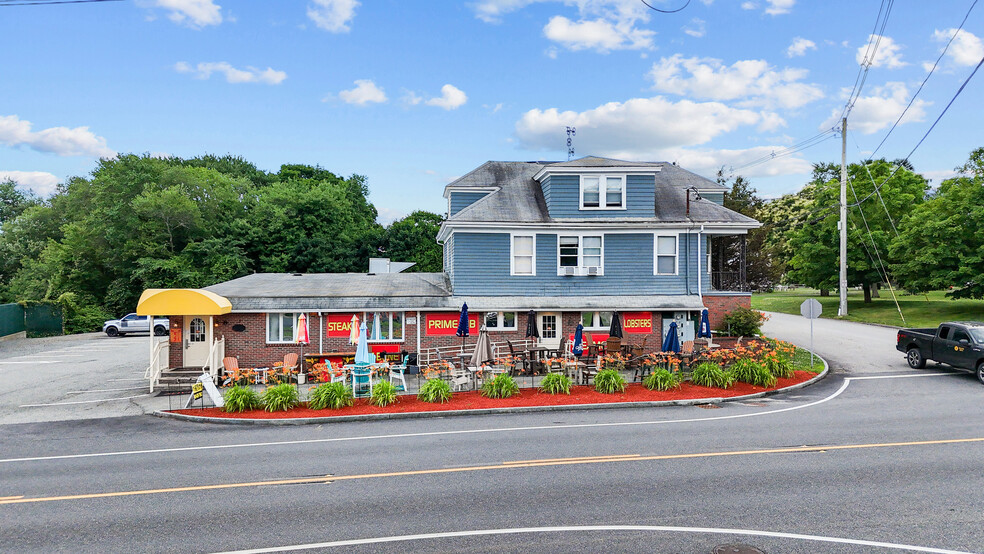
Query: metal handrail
[154,370]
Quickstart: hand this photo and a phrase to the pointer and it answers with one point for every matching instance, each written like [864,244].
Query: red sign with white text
[338,325]
[447,324]
[637,323]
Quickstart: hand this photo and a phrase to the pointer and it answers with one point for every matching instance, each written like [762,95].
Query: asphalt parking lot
[74,377]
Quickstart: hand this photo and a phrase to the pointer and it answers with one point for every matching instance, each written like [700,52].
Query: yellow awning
[164,302]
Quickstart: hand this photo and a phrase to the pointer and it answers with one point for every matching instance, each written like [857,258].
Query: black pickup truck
[958,343]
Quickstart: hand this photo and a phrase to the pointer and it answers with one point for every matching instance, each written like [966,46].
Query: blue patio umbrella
[705,325]
[672,342]
[362,350]
[578,348]
[463,322]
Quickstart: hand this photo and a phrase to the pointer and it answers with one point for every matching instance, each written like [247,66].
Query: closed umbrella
[672,342]
[705,325]
[483,349]
[362,350]
[354,330]
[376,334]
[463,325]
[301,337]
[531,330]
[616,328]
[578,347]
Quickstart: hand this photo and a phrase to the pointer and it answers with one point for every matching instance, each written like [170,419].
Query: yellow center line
[504,465]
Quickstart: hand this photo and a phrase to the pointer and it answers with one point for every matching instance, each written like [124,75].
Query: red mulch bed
[472,400]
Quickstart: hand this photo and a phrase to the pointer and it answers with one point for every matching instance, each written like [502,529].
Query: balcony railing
[729,281]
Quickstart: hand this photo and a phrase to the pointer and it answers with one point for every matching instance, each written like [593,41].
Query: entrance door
[195,341]
[550,331]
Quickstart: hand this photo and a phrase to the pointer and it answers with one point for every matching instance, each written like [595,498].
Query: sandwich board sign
[204,383]
[811,309]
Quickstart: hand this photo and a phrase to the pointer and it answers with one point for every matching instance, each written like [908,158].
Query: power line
[9,3]
[874,40]
[648,5]
[928,75]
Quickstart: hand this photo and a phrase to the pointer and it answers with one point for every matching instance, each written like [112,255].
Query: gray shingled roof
[520,198]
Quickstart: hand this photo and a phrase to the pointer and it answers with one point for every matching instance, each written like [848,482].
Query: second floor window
[602,192]
[580,251]
[523,259]
[666,255]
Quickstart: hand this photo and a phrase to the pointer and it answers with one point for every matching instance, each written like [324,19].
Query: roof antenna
[571,131]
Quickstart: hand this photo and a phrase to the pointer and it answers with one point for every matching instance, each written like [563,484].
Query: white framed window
[500,321]
[602,192]
[665,255]
[384,326]
[580,252]
[280,327]
[522,255]
[596,321]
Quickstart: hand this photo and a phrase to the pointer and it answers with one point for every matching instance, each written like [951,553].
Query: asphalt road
[876,457]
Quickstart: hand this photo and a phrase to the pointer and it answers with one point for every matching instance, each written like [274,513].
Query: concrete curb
[486,411]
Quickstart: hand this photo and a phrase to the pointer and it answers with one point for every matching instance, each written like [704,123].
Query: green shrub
[609,381]
[556,383]
[435,390]
[241,399]
[779,365]
[502,386]
[331,396]
[383,394]
[661,379]
[81,313]
[749,371]
[744,322]
[280,397]
[708,374]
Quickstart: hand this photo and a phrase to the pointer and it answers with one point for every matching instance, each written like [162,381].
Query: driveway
[74,377]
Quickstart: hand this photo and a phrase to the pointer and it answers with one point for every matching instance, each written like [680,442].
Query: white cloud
[42,183]
[876,112]
[753,82]
[799,47]
[56,140]
[411,98]
[599,34]
[193,13]
[749,5]
[451,98]
[365,92]
[268,76]
[887,55]
[966,48]
[332,15]
[385,216]
[779,7]
[937,177]
[635,126]
[697,28]
[602,25]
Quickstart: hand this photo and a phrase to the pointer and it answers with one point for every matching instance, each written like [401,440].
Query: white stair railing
[215,354]
[157,366]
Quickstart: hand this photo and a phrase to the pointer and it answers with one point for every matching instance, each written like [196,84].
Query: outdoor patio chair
[460,379]
[398,372]
[361,380]
[290,361]
[687,348]
[518,357]
[230,365]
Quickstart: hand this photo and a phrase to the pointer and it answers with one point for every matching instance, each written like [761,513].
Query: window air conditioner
[570,271]
[593,270]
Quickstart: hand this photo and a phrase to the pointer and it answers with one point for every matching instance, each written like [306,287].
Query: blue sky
[414,94]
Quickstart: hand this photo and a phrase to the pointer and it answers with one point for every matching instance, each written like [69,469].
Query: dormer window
[602,192]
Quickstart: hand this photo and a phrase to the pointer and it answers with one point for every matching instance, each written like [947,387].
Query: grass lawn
[919,310]
[801,361]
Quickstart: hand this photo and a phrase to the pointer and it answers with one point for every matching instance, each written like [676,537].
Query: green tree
[414,239]
[941,244]
[13,202]
[816,243]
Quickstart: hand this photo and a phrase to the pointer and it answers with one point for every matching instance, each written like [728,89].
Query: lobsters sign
[637,323]
[447,324]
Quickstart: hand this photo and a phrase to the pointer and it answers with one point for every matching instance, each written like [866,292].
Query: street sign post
[811,309]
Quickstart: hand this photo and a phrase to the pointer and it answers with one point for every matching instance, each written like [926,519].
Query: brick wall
[719,305]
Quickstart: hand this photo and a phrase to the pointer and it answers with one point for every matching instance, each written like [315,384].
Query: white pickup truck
[133,323]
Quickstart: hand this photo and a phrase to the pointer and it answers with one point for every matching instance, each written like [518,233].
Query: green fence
[43,320]
[11,319]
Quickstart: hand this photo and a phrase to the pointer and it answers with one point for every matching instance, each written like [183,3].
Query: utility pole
[842,309]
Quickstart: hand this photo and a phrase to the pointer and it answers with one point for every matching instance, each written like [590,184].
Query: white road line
[608,528]
[137,379]
[103,390]
[33,362]
[60,355]
[904,375]
[843,387]
[82,401]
